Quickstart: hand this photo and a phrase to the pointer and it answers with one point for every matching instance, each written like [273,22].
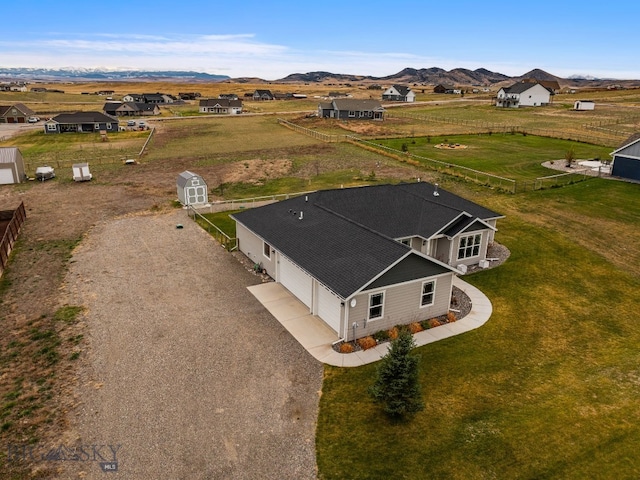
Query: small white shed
[584,105]
[192,189]
[81,172]
[11,166]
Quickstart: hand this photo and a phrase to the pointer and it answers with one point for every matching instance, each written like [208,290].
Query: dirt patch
[255,170]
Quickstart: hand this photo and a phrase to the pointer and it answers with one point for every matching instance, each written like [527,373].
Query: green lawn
[548,388]
[516,156]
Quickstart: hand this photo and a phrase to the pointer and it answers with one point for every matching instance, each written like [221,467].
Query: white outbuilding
[584,105]
[192,189]
[11,166]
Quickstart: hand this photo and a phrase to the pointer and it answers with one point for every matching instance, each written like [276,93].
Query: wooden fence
[225,240]
[15,219]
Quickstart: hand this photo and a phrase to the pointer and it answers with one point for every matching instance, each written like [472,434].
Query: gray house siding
[626,168]
[253,247]
[401,305]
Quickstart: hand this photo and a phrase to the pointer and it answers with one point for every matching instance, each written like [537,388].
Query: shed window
[469,246]
[376,305]
[428,293]
[266,250]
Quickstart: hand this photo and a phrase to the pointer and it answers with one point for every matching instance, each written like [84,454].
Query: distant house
[11,166]
[399,93]
[626,159]
[16,113]
[442,88]
[365,259]
[523,94]
[81,122]
[126,109]
[157,98]
[260,95]
[221,106]
[228,96]
[351,109]
[189,95]
[582,105]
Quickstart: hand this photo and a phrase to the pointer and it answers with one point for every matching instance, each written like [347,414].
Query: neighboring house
[156,98]
[373,256]
[399,93]
[441,88]
[11,166]
[228,96]
[189,95]
[351,109]
[128,109]
[16,113]
[523,94]
[221,105]
[259,95]
[81,122]
[626,159]
[582,105]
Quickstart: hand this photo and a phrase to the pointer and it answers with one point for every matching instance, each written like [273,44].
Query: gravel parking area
[185,374]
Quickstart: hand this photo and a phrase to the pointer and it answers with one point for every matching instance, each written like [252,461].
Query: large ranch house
[351,109]
[379,256]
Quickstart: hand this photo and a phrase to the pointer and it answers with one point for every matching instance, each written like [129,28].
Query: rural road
[185,374]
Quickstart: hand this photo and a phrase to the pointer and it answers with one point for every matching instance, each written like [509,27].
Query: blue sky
[271,39]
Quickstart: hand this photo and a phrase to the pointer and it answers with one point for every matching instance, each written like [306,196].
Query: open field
[547,388]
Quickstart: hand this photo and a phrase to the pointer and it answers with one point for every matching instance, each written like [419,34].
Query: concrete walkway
[317,338]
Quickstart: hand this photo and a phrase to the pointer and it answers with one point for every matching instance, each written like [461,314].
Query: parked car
[45,173]
[142,125]
[131,123]
[33,119]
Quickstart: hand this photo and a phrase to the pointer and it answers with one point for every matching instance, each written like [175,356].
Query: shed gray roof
[346,237]
[185,177]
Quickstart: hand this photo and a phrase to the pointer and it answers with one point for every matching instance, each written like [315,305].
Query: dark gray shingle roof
[346,236]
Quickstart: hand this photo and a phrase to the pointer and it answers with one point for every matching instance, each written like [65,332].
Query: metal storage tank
[192,189]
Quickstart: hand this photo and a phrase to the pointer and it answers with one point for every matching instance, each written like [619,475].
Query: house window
[97,126]
[469,246]
[428,293]
[266,250]
[51,127]
[376,305]
[352,113]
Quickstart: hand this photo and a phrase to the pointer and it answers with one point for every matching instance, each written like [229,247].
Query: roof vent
[300,217]
[435,191]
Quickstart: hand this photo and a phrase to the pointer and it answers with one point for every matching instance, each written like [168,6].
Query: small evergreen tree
[397,387]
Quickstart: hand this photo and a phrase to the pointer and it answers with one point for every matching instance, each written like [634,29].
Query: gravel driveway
[185,374]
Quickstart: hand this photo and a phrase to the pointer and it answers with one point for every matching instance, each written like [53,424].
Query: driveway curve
[184,374]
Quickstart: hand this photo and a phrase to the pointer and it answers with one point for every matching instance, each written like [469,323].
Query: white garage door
[6,176]
[295,280]
[329,308]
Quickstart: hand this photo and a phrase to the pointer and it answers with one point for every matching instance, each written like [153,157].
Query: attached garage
[192,189]
[11,166]
[296,280]
[329,307]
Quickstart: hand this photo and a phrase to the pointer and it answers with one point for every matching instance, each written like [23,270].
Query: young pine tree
[397,386]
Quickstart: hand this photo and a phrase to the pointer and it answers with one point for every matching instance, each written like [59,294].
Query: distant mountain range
[95,75]
[410,76]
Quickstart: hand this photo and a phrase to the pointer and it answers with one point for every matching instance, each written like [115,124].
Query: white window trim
[266,246]
[465,257]
[381,306]
[433,294]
